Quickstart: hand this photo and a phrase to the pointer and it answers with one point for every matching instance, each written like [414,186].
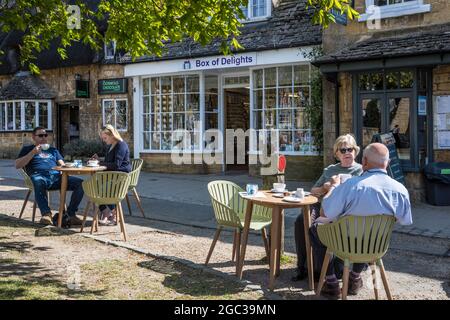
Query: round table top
[81,170]
[272,201]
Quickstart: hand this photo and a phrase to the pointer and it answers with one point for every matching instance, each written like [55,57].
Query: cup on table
[45,146]
[279,187]
[92,163]
[251,189]
[300,193]
[77,163]
[344,177]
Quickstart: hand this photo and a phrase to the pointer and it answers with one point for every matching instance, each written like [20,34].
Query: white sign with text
[231,61]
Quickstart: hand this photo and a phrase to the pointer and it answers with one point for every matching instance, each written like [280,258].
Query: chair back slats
[107,187]
[27,179]
[136,166]
[358,238]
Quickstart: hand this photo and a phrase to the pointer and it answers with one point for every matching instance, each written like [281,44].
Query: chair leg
[34,211]
[122,222]
[266,243]
[128,204]
[384,279]
[213,244]
[233,254]
[238,246]
[85,215]
[323,272]
[24,204]
[94,221]
[345,279]
[373,267]
[139,202]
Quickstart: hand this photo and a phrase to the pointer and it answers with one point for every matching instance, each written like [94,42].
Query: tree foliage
[139,27]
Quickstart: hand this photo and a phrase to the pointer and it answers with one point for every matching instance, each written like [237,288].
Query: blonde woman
[345,151]
[117,158]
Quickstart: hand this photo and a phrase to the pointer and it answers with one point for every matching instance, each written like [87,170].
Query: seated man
[38,164]
[372,193]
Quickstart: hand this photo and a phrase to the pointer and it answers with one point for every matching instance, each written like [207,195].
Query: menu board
[394,168]
[441,130]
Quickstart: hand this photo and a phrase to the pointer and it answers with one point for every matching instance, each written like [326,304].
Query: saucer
[292,199]
[277,191]
[278,195]
[92,165]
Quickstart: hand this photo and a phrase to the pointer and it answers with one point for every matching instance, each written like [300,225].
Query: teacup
[344,177]
[300,193]
[92,163]
[45,146]
[279,187]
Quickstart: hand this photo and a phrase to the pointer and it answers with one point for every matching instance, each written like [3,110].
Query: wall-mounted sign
[341,18]
[232,61]
[81,89]
[113,86]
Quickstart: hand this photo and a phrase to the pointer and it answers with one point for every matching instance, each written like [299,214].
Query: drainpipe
[336,104]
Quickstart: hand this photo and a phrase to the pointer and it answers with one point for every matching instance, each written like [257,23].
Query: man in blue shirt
[372,193]
[38,164]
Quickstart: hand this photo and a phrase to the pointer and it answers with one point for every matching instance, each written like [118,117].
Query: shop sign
[232,61]
[112,86]
[340,18]
[81,89]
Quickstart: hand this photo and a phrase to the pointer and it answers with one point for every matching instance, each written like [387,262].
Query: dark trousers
[299,233]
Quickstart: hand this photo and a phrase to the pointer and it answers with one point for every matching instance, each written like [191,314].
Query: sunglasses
[345,150]
[42,135]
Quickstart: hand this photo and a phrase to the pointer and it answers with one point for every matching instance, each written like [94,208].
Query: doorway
[237,116]
[68,115]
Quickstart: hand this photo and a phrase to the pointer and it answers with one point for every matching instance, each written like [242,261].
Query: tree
[139,27]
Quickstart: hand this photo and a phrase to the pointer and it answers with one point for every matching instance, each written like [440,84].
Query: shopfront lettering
[220,62]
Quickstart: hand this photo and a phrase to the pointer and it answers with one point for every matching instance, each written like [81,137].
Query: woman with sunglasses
[117,158]
[345,151]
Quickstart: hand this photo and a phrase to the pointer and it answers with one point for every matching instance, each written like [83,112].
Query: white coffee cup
[344,177]
[92,162]
[279,187]
[45,146]
[300,193]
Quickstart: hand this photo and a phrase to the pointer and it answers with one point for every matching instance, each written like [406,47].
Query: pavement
[184,199]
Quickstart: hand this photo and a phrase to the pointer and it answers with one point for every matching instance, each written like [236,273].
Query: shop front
[216,98]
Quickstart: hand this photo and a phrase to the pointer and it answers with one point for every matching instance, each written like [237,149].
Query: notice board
[394,169]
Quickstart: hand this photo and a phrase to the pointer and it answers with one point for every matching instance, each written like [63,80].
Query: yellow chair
[356,239]
[30,186]
[105,188]
[136,165]
[229,210]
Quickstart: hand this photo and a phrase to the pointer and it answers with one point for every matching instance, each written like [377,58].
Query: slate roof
[289,26]
[26,86]
[415,42]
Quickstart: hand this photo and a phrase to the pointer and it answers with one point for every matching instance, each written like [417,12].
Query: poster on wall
[441,122]
[422,106]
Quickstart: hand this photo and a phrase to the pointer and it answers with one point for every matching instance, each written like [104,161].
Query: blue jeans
[46,181]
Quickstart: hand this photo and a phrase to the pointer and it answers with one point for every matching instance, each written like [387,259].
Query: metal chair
[356,239]
[229,210]
[105,188]
[136,165]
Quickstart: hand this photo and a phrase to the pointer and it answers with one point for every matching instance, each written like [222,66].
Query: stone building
[389,71]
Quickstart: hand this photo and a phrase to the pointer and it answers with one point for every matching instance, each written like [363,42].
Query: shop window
[110,49]
[382,9]
[257,9]
[115,113]
[280,95]
[24,115]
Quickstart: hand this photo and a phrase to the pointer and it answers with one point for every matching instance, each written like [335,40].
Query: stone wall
[162,162]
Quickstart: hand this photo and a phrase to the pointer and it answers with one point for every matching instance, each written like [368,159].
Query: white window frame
[250,17]
[115,113]
[22,114]
[105,47]
[393,10]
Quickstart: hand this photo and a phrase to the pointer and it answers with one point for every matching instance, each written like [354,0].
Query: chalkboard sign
[394,169]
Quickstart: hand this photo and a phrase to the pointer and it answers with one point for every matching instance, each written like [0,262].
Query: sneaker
[46,219]
[331,290]
[75,221]
[354,286]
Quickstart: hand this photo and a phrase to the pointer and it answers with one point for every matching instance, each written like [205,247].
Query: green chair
[105,188]
[356,239]
[229,210]
[136,165]
[29,185]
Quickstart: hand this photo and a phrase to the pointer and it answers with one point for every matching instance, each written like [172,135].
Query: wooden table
[277,205]
[71,171]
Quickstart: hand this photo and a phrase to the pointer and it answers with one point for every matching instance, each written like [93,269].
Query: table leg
[309,257]
[248,218]
[62,201]
[274,245]
[280,241]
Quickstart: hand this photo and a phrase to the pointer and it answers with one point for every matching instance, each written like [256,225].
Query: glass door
[371,120]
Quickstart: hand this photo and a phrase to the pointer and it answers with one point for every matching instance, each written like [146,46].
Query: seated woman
[117,159]
[345,151]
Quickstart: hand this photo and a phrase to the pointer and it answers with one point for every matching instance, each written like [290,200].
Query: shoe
[75,221]
[331,291]
[300,275]
[354,286]
[46,219]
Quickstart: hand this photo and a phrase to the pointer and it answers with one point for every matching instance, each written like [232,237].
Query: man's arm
[23,161]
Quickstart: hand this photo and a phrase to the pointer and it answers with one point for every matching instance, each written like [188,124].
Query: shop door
[68,123]
[237,116]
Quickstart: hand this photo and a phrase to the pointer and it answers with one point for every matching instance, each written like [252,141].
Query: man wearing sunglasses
[38,160]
